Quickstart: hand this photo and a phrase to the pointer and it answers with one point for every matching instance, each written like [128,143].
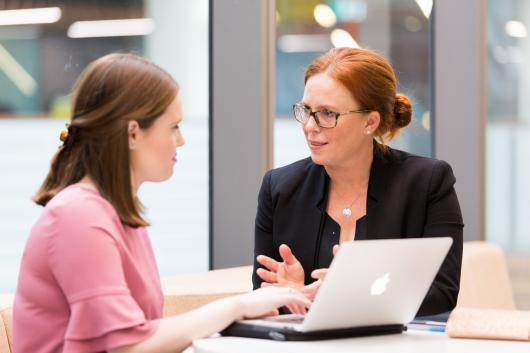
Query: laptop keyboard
[292,319]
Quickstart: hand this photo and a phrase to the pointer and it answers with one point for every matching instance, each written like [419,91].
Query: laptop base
[286,334]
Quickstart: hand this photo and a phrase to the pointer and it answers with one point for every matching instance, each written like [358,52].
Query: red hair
[371,81]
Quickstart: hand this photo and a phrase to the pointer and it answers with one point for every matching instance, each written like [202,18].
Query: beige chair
[6,330]
[189,291]
[181,293]
[485,282]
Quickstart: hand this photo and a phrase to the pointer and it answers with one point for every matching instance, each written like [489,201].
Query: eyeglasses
[324,118]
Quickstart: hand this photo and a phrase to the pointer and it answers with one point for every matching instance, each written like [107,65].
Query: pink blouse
[87,283]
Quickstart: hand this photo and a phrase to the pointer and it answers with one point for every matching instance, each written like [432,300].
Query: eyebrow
[319,107]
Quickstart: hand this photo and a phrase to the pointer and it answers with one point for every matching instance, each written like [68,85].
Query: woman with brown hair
[353,187]
[88,280]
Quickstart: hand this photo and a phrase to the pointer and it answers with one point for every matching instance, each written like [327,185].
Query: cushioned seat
[485,281]
[6,320]
[189,291]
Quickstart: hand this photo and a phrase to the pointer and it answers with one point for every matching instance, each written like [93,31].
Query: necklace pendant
[346,212]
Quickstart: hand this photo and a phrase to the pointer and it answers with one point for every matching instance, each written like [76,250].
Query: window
[508,138]
[39,63]
[508,127]
[399,30]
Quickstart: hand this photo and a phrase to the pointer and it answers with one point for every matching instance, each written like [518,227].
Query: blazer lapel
[376,189]
[317,181]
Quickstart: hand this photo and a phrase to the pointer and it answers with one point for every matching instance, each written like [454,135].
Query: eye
[176,127]
[327,113]
[304,108]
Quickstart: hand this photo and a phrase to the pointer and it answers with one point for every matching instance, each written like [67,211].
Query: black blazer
[408,196]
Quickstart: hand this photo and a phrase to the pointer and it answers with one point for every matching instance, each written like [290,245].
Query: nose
[180,139]
[311,124]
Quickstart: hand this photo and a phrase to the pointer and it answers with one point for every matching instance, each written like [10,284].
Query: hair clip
[64,133]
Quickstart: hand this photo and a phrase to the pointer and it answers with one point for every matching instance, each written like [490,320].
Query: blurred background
[44,45]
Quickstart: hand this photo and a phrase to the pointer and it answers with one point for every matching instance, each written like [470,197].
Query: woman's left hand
[265,301]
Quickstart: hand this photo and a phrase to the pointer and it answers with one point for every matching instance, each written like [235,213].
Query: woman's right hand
[288,273]
[310,291]
[266,301]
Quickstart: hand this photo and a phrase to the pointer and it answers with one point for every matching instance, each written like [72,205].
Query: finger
[293,297]
[300,299]
[267,284]
[303,309]
[297,309]
[287,255]
[293,294]
[311,290]
[273,312]
[268,262]
[300,309]
[320,273]
[291,308]
[335,249]
[267,276]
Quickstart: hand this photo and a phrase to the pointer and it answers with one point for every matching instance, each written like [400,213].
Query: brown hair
[372,83]
[110,92]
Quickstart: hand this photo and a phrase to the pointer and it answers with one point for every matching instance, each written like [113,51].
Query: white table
[412,341]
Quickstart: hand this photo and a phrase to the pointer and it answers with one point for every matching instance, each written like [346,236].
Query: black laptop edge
[287,334]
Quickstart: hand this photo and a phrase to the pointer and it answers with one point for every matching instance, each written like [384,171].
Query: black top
[408,197]
[330,237]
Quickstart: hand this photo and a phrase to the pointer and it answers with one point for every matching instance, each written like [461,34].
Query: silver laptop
[377,284]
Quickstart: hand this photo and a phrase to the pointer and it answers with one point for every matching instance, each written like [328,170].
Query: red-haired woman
[353,187]
[88,280]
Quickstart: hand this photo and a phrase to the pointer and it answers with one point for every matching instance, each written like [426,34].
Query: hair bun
[402,111]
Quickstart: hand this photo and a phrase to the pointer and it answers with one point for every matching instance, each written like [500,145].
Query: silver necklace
[346,211]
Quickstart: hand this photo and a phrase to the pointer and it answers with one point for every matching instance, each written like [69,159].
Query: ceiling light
[515,29]
[341,38]
[111,28]
[325,16]
[301,43]
[30,16]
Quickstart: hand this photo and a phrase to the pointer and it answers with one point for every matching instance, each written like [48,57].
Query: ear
[372,122]
[133,129]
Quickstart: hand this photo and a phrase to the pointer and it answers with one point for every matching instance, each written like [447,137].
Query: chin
[167,176]
[161,177]
[320,160]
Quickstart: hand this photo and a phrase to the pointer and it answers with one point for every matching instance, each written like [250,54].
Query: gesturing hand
[288,273]
[310,291]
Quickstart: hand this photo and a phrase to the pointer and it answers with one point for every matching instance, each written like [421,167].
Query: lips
[316,145]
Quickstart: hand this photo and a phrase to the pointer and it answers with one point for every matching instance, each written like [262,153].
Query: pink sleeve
[85,259]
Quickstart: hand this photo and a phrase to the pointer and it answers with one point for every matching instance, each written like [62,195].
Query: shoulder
[415,169]
[76,227]
[293,174]
[75,208]
[406,161]
[296,168]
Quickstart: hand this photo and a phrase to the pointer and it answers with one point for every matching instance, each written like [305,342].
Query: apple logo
[379,285]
